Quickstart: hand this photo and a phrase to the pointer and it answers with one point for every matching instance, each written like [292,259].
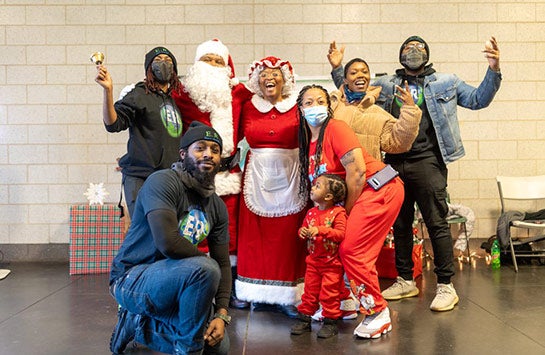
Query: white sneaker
[445,298]
[350,304]
[318,317]
[400,289]
[347,315]
[375,325]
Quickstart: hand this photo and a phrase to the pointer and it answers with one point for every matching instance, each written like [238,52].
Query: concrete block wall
[53,144]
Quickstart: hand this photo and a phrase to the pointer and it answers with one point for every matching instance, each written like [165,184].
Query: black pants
[426,184]
[131,186]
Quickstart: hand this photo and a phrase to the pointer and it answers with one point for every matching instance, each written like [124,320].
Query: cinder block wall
[53,143]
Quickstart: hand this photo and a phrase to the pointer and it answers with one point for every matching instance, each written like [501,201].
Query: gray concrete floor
[43,310]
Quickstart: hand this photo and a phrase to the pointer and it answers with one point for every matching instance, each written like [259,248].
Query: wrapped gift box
[96,233]
[386,263]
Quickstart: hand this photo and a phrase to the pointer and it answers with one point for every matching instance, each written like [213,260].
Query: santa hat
[273,63]
[215,46]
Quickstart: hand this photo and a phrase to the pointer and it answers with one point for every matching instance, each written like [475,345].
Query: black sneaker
[124,331]
[289,310]
[329,329]
[234,302]
[263,307]
[302,325]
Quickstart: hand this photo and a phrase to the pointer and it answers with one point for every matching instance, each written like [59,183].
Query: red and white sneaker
[375,325]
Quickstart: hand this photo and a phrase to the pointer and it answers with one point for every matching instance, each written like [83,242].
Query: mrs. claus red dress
[271,257]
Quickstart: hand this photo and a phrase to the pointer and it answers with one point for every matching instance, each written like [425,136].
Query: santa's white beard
[208,86]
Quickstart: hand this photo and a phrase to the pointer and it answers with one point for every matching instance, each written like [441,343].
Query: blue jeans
[174,299]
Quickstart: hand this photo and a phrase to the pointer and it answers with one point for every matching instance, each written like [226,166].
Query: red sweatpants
[368,224]
[323,284]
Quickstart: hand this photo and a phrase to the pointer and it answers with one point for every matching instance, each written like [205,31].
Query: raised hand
[492,53]
[335,55]
[103,77]
[404,94]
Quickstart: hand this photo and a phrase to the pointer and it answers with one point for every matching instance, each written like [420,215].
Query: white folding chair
[524,189]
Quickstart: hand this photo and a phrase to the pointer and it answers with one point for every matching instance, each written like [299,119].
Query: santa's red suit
[225,120]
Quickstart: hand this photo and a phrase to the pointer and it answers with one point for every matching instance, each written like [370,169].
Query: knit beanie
[154,53]
[414,38]
[198,131]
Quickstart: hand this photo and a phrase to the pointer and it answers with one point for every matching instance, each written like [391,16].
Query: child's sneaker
[375,325]
[302,326]
[329,329]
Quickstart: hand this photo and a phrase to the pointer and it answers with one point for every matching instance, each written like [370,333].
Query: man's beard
[208,86]
[205,178]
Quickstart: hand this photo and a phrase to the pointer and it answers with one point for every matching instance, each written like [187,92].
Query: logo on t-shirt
[194,226]
[171,119]
[418,94]
[313,174]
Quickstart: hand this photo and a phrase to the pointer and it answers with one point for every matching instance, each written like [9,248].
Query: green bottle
[495,253]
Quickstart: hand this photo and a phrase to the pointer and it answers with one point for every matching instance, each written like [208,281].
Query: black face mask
[162,71]
[414,59]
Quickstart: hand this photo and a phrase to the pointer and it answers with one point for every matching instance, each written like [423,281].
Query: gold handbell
[97,58]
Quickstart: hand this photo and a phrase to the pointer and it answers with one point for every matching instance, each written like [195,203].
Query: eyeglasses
[418,45]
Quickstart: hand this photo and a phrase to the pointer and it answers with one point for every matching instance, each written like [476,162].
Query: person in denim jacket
[423,168]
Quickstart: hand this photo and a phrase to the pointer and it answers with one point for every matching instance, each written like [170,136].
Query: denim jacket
[443,93]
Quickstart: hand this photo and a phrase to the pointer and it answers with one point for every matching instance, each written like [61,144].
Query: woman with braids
[150,114]
[330,146]
[271,258]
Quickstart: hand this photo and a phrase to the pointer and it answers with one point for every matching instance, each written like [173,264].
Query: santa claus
[210,94]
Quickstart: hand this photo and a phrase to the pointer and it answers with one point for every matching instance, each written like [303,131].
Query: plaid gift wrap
[96,233]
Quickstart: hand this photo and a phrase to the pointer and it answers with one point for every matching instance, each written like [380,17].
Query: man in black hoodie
[423,168]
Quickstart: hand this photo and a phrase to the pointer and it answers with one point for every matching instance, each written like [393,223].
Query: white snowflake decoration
[96,193]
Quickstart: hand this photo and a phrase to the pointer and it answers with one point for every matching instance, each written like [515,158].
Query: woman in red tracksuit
[330,146]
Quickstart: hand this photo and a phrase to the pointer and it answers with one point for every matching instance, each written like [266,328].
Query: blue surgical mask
[315,115]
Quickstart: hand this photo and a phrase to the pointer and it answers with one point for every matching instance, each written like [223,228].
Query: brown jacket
[375,128]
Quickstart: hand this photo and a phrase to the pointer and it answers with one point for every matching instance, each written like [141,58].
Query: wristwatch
[224,317]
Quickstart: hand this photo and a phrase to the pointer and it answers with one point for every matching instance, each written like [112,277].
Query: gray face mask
[414,59]
[162,71]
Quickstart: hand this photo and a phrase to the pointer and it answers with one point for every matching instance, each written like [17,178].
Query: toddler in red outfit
[323,229]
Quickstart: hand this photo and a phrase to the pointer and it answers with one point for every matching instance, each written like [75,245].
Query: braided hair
[336,186]
[151,83]
[304,137]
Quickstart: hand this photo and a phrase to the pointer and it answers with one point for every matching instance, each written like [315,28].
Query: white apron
[271,183]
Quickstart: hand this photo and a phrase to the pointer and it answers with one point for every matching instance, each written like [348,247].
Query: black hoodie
[155,128]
